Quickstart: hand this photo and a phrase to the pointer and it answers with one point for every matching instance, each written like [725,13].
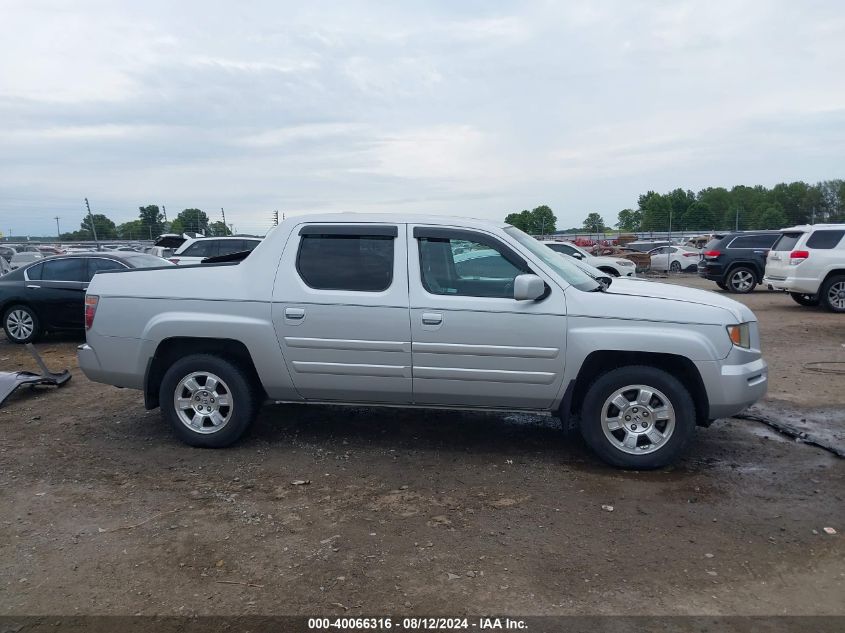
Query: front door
[473,343]
[340,309]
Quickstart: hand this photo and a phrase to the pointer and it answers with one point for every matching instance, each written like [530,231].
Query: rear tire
[629,428]
[832,293]
[675,267]
[209,401]
[805,299]
[21,324]
[741,280]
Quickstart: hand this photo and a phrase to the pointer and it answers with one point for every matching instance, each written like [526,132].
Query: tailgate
[777,261]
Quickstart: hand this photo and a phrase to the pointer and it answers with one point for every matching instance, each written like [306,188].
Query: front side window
[825,238]
[64,270]
[362,263]
[463,267]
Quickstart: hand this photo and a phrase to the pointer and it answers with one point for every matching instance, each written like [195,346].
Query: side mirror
[528,288]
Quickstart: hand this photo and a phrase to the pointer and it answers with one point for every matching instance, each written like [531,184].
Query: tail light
[174,260]
[690,254]
[91,302]
[711,254]
[796,257]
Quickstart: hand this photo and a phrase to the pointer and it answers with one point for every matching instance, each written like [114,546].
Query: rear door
[61,291]
[340,309]
[473,343]
[753,249]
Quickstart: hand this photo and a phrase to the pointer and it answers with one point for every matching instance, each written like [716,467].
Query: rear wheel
[805,299]
[21,324]
[832,293]
[638,417]
[675,267]
[208,401]
[741,280]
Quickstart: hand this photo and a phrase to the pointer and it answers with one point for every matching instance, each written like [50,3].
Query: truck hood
[671,292]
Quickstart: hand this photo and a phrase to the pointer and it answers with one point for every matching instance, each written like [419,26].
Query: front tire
[832,293]
[209,401]
[638,417]
[805,299]
[21,324]
[741,280]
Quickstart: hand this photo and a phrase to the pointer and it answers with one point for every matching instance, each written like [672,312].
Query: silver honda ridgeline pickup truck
[425,312]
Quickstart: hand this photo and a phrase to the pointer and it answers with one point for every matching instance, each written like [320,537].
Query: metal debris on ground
[11,380]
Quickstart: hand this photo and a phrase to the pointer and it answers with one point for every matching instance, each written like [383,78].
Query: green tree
[132,230]
[193,220]
[771,217]
[655,209]
[629,220]
[106,229]
[152,220]
[218,229]
[543,220]
[699,216]
[594,223]
[521,220]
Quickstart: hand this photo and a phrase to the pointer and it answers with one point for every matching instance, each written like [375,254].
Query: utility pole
[275,218]
[737,218]
[813,217]
[164,212]
[93,228]
[58,230]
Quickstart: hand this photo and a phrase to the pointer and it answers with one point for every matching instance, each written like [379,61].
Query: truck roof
[392,218]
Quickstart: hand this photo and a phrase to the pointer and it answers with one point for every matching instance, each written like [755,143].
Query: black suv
[737,261]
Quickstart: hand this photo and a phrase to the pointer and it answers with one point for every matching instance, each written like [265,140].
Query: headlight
[624,262]
[740,335]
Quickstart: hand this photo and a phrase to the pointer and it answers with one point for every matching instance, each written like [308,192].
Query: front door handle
[32,286]
[432,318]
[295,313]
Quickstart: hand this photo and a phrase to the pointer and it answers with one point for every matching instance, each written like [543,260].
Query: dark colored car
[736,261]
[49,294]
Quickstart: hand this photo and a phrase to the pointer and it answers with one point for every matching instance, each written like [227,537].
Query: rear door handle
[32,286]
[295,313]
[432,318]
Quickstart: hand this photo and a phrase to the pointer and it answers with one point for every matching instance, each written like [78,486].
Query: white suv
[616,266]
[193,251]
[808,262]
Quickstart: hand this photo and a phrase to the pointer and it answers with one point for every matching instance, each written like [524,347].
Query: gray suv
[418,311]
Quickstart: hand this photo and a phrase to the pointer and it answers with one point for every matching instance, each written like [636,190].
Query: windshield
[562,265]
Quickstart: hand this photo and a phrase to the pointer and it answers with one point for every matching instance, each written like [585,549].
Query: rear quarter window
[825,238]
[787,241]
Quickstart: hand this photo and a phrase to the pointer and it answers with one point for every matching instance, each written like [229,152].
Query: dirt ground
[102,511]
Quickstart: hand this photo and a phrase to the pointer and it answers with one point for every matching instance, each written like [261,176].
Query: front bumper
[733,387]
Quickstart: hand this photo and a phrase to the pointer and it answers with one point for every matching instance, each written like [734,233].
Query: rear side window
[34,272]
[202,248]
[753,241]
[787,242]
[825,239]
[97,264]
[361,263]
[65,270]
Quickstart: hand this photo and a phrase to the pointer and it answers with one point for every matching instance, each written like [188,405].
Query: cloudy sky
[472,107]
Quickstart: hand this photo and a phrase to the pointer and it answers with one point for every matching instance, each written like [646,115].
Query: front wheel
[638,417]
[742,280]
[208,401]
[805,299]
[833,293]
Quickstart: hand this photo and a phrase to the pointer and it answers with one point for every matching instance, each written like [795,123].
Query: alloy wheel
[20,324]
[203,402]
[638,419]
[836,295]
[742,281]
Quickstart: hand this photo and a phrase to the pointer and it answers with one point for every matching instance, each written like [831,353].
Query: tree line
[714,208]
[149,225]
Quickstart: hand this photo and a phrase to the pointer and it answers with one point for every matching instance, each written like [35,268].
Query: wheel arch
[758,271]
[609,270]
[171,349]
[601,361]
[831,273]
